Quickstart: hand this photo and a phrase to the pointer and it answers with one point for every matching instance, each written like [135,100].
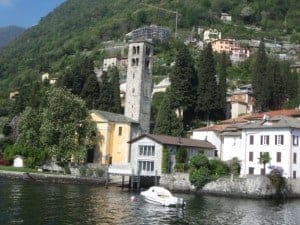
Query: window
[295,157]
[278,157]
[295,140]
[147,50]
[120,131]
[264,139]
[138,50]
[137,61]
[294,174]
[134,50]
[251,170]
[147,63]
[133,62]
[278,139]
[251,156]
[251,139]
[146,150]
[146,166]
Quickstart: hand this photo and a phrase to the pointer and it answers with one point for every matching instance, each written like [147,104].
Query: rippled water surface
[36,203]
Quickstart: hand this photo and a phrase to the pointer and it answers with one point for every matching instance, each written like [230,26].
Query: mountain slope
[79,26]
[9,33]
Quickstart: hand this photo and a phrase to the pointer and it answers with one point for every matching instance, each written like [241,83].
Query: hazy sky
[25,13]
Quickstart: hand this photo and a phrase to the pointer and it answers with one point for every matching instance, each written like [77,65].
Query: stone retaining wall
[178,182]
[250,187]
[53,178]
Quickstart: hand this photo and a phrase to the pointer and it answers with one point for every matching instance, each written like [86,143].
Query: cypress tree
[113,74]
[167,122]
[183,83]
[91,92]
[291,80]
[106,94]
[222,84]
[208,94]
[259,78]
[276,90]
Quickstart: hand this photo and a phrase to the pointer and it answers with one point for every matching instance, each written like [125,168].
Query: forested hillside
[8,34]
[80,26]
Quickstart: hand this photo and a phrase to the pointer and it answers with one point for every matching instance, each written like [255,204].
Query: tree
[183,83]
[264,159]
[222,84]
[167,122]
[276,85]
[64,131]
[91,92]
[199,170]
[259,78]
[76,74]
[208,94]
[106,94]
[113,74]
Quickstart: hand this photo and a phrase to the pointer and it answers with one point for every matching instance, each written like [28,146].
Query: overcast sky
[25,13]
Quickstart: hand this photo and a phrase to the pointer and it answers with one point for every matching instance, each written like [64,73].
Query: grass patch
[14,169]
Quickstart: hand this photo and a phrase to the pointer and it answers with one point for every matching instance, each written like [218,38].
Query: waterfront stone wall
[293,186]
[178,182]
[53,178]
[252,187]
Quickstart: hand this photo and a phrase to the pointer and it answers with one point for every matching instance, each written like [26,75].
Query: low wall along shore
[250,187]
[53,178]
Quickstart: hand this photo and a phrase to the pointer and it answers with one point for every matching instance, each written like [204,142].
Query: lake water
[53,204]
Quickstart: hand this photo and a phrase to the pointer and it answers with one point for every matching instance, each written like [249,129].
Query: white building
[210,134]
[18,161]
[225,17]
[147,152]
[279,137]
[211,35]
[247,138]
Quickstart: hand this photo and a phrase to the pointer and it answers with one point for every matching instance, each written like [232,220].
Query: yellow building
[113,133]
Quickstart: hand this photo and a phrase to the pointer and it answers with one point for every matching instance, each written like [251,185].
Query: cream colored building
[113,133]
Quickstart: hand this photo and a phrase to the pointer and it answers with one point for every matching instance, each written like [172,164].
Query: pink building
[231,47]
[224,45]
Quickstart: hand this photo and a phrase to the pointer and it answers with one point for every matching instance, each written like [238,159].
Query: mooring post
[122,181]
[138,180]
[107,178]
[131,183]
[155,179]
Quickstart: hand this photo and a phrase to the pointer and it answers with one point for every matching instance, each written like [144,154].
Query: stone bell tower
[139,83]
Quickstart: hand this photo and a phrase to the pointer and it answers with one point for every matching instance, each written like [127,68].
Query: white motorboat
[161,196]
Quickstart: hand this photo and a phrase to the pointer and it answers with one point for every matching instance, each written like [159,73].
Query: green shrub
[181,167]
[89,172]
[82,171]
[198,161]
[234,166]
[277,180]
[181,155]
[30,162]
[67,169]
[218,168]
[200,177]
[99,172]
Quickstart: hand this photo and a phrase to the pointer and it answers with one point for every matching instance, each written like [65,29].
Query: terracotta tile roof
[217,127]
[274,122]
[178,141]
[113,117]
[281,112]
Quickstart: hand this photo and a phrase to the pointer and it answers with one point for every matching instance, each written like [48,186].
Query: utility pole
[166,10]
